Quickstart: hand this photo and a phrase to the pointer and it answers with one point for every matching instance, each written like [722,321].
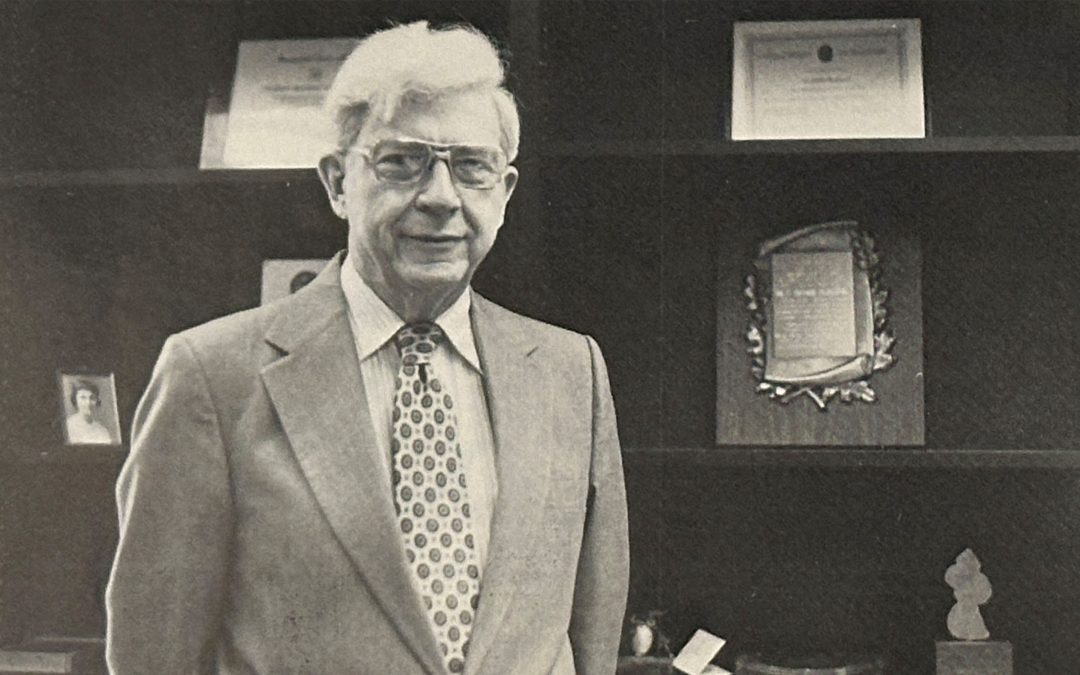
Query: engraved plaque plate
[813,305]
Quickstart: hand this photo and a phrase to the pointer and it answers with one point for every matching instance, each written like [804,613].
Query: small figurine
[971,588]
[642,639]
[647,637]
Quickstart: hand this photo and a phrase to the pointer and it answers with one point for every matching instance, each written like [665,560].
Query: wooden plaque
[819,340]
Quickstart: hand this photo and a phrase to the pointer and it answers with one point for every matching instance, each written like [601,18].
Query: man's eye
[473,164]
[401,160]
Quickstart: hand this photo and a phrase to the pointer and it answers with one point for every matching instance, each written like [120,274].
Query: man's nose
[438,192]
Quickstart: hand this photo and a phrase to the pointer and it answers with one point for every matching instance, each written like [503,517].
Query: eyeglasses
[406,162]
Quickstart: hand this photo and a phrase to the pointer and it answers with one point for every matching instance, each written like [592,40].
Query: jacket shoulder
[226,331]
[557,338]
[232,347]
[297,314]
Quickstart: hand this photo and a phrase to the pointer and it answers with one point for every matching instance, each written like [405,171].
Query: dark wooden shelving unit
[631,193]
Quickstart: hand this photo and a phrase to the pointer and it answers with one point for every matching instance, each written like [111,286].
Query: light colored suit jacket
[257,536]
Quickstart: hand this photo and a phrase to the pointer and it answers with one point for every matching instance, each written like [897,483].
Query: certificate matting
[827,80]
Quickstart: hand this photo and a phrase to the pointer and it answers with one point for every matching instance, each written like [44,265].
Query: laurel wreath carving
[758,294]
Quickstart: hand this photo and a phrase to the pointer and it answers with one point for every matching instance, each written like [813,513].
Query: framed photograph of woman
[88,406]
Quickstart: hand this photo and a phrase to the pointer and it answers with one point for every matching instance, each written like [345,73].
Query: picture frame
[855,78]
[89,415]
[283,277]
[277,92]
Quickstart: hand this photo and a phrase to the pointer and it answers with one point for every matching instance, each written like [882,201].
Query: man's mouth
[434,238]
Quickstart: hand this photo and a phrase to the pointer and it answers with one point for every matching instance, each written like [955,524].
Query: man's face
[425,238]
[85,402]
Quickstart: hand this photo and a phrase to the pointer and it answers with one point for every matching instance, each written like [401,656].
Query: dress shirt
[455,362]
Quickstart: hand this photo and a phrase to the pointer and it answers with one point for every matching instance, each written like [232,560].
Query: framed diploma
[827,80]
[275,118]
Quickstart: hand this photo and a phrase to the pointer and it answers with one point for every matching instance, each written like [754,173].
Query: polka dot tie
[430,494]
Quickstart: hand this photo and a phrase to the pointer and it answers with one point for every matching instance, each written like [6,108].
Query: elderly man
[384,472]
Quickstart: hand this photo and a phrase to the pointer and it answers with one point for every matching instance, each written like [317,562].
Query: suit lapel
[319,396]
[514,391]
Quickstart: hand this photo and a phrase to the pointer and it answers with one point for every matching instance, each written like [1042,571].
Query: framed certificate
[274,118]
[827,79]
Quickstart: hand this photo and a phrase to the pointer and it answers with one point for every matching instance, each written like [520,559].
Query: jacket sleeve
[165,593]
[603,568]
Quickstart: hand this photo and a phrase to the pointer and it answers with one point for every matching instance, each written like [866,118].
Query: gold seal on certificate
[827,79]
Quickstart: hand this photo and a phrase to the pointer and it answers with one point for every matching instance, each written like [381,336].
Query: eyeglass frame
[436,152]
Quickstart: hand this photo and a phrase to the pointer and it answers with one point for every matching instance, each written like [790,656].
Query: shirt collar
[376,323]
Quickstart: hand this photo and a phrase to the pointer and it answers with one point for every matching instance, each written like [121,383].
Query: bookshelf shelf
[1049,145]
[640,457]
[936,145]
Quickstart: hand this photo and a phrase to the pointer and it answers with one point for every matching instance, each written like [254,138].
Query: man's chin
[438,276]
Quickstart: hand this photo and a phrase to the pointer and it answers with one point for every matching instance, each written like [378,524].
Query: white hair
[414,62]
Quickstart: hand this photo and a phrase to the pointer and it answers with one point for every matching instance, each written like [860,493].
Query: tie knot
[417,341]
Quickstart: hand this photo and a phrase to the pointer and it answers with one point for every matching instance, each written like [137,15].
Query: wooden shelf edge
[614,148]
[170,176]
[948,144]
[72,455]
[854,457]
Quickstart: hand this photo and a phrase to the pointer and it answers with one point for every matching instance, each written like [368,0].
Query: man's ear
[510,179]
[332,174]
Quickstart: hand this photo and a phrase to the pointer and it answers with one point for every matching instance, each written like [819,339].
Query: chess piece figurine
[970,652]
[646,637]
[642,640]
[971,588]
